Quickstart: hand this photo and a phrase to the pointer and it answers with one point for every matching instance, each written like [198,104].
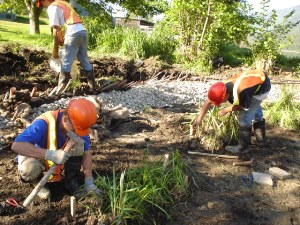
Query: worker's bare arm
[57,40]
[87,163]
[207,104]
[230,108]
[28,149]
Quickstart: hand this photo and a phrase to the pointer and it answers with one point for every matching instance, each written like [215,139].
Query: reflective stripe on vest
[50,118]
[251,73]
[70,16]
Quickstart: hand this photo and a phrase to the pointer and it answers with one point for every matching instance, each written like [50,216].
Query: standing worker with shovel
[46,141]
[68,32]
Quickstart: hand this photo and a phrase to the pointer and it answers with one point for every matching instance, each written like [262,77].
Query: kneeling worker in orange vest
[43,143]
[245,92]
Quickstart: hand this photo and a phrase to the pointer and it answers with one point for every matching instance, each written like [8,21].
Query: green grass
[133,194]
[236,56]
[18,33]
[284,112]
[135,43]
[215,130]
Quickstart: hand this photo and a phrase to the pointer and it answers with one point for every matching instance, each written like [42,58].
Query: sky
[276,4]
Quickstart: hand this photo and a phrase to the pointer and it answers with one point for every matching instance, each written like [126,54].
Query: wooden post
[215,155]
[73,206]
[166,161]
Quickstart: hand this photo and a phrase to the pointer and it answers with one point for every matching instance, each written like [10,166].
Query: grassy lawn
[18,32]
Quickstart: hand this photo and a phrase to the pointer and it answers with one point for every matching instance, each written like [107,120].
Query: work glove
[57,156]
[90,187]
[78,148]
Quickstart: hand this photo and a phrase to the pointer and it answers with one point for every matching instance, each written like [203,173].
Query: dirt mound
[30,68]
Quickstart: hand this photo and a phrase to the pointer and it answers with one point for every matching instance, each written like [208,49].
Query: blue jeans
[75,46]
[253,113]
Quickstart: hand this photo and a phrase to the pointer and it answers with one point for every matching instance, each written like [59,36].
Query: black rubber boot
[90,76]
[72,174]
[63,80]
[244,141]
[259,128]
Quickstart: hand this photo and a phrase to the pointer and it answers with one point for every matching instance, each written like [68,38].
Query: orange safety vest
[50,118]
[70,16]
[245,80]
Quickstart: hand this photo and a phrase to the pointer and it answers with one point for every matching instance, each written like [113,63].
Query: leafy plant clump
[131,195]
[284,112]
[215,130]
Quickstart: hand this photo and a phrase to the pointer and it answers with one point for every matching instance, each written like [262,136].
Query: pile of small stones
[152,94]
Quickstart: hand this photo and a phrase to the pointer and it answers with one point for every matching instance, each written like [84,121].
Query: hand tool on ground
[44,180]
[244,163]
[214,155]
[10,206]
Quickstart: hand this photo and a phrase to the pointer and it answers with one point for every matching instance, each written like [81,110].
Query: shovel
[55,65]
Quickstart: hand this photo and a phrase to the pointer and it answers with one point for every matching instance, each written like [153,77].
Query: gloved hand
[90,187]
[57,156]
[78,147]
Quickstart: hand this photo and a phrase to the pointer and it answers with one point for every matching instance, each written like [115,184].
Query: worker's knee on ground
[30,169]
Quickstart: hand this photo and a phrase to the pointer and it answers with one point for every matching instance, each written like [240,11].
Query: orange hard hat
[216,93]
[83,115]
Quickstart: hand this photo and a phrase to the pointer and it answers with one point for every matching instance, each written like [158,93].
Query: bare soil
[217,192]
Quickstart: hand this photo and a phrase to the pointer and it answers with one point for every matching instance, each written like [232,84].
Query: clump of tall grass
[216,131]
[131,195]
[284,112]
[135,43]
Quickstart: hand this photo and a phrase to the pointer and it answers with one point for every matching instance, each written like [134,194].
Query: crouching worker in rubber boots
[245,92]
[68,32]
[42,144]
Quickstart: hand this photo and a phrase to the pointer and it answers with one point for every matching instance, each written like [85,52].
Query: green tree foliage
[99,8]
[143,8]
[15,6]
[203,26]
[270,37]
[21,7]
[136,44]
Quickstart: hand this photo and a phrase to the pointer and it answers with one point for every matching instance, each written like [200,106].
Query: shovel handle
[39,186]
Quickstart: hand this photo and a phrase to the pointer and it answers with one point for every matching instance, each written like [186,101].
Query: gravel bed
[153,93]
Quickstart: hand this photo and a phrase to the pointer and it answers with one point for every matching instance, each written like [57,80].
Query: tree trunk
[34,15]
